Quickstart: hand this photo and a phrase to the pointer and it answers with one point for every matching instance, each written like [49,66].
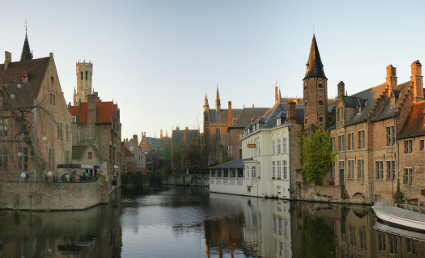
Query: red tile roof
[103,112]
[73,110]
[126,152]
[414,125]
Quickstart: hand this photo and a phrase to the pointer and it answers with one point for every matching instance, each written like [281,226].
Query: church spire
[217,101]
[26,51]
[314,63]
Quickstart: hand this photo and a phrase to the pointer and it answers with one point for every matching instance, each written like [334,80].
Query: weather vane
[26,26]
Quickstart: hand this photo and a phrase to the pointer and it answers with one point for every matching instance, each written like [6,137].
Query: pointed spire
[217,101]
[26,51]
[314,63]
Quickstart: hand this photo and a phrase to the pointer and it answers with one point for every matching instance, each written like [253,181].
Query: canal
[192,222]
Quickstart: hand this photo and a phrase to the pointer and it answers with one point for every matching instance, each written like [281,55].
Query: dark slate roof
[278,111]
[178,135]
[415,123]
[237,163]
[350,101]
[246,115]
[35,69]
[26,51]
[314,63]
[154,141]
[369,97]
[387,110]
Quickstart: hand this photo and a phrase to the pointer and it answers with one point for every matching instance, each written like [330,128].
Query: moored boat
[399,232]
[410,220]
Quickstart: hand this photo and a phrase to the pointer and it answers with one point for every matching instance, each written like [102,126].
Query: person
[84,177]
[64,178]
[73,179]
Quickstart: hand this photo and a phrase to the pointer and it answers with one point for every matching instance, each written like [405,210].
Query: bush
[399,196]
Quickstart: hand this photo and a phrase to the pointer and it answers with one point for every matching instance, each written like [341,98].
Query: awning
[77,166]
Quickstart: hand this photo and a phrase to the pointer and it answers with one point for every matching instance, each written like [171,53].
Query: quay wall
[186,179]
[53,196]
[328,193]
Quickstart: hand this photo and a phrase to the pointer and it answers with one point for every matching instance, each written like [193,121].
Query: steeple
[206,106]
[26,51]
[314,63]
[217,101]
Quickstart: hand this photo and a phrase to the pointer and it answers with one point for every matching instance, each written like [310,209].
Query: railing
[218,181]
[225,181]
[232,181]
[212,180]
[240,181]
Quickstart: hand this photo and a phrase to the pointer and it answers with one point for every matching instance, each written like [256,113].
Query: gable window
[284,146]
[408,146]
[360,167]
[361,139]
[52,80]
[340,113]
[379,170]
[217,134]
[390,136]
[52,99]
[90,155]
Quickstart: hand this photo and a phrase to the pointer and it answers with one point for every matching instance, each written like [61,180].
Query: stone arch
[359,197]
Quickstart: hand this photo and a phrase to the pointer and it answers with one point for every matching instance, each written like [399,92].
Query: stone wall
[52,196]
[328,193]
[188,179]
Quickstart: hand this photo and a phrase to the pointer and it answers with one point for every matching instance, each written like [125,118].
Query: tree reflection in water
[318,239]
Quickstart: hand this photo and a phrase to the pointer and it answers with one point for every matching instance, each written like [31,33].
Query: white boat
[399,232]
[400,217]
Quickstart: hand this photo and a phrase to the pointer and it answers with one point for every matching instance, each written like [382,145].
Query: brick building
[34,120]
[96,130]
[138,153]
[128,161]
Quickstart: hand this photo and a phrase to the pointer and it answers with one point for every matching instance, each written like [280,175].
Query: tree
[208,149]
[316,155]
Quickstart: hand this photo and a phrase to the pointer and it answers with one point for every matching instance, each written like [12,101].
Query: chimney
[252,105]
[391,78]
[7,59]
[292,114]
[160,135]
[185,132]
[276,96]
[416,80]
[135,138]
[229,114]
[91,110]
[341,88]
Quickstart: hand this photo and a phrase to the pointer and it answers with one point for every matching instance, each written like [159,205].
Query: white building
[266,165]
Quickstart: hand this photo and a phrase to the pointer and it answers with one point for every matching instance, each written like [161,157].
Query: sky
[158,58]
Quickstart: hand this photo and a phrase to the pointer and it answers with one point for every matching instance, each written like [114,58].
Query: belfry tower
[84,81]
[315,92]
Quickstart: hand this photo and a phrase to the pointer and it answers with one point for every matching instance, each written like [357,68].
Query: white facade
[266,165]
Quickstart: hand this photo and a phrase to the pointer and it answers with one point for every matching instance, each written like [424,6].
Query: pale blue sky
[158,58]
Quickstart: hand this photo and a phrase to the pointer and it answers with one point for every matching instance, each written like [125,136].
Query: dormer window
[24,77]
[278,121]
[359,109]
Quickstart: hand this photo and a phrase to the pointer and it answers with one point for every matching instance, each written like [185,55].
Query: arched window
[247,171]
[217,134]
[320,85]
[82,76]
[87,76]
[254,172]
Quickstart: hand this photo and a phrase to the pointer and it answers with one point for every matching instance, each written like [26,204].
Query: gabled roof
[36,70]
[154,141]
[106,112]
[126,152]
[314,63]
[415,123]
[73,110]
[222,116]
[246,115]
[77,151]
[387,110]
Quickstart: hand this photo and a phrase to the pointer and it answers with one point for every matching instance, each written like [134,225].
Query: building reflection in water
[91,233]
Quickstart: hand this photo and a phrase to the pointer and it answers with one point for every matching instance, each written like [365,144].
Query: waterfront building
[128,161]
[35,122]
[138,153]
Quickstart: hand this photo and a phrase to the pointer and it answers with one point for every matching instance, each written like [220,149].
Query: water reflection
[191,222]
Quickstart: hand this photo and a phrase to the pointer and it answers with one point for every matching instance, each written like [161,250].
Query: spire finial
[26,26]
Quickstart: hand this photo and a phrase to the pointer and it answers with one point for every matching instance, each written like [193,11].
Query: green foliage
[226,159]
[318,239]
[135,178]
[316,155]
[399,196]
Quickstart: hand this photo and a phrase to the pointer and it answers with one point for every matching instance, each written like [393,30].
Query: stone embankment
[186,179]
[328,193]
[53,196]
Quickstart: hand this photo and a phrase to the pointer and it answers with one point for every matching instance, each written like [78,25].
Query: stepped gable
[415,123]
[387,111]
[246,115]
[35,69]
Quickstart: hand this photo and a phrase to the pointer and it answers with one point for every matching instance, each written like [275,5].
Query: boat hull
[409,224]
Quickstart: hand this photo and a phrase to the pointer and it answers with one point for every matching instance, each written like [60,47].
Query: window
[363,243]
[232,172]
[341,142]
[278,146]
[23,159]
[390,169]
[52,99]
[421,145]
[353,240]
[341,166]
[390,136]
[351,169]
[408,176]
[3,158]
[381,242]
[359,108]
[218,172]
[333,143]
[247,171]
[73,119]
[240,134]
[284,145]
[320,102]
[411,246]
[285,169]
[67,138]
[59,131]
[82,76]
[320,85]
[225,173]
[361,139]
[351,141]
[217,134]
[90,155]
[87,75]
[254,172]
[305,85]
[360,167]
[274,169]
[4,122]
[279,170]
[52,158]
[320,119]
[408,146]
[379,170]
[273,148]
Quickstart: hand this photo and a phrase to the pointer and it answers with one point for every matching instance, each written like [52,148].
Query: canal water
[192,222]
